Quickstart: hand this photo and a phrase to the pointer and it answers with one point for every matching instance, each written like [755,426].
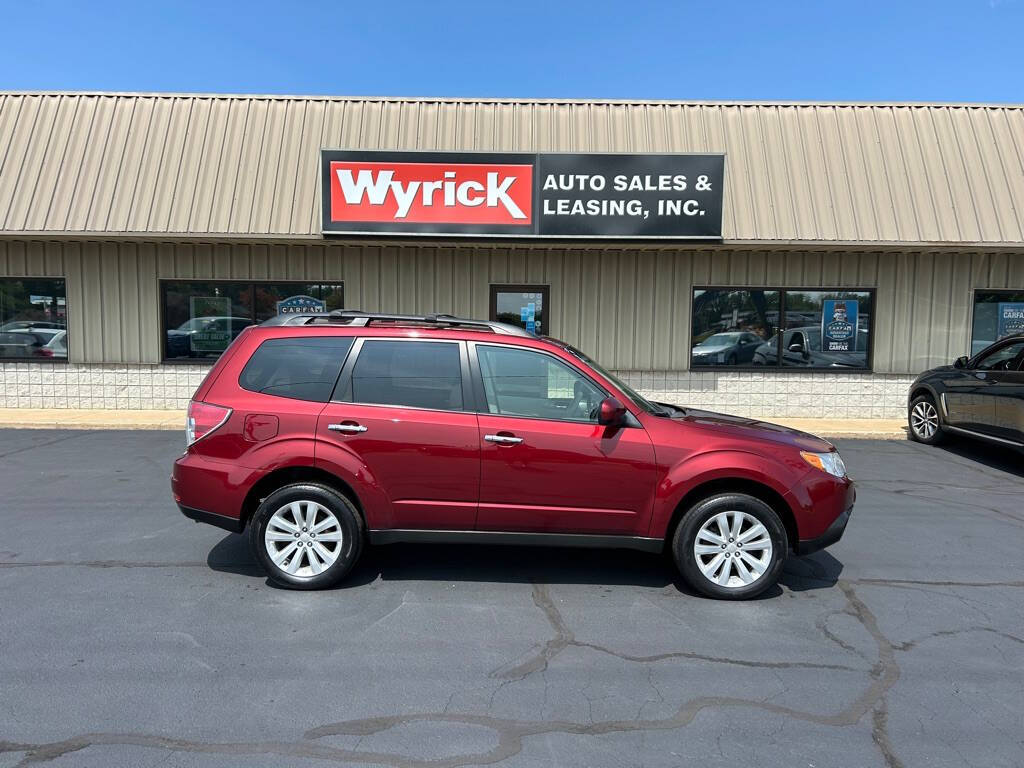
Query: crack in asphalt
[937,493]
[564,638]
[510,732]
[43,444]
[909,644]
[880,733]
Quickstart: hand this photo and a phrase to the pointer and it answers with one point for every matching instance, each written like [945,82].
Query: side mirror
[961,362]
[611,412]
[798,347]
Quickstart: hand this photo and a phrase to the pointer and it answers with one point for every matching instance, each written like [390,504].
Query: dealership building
[764,259]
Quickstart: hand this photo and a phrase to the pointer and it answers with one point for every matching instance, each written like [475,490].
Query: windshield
[720,339]
[631,393]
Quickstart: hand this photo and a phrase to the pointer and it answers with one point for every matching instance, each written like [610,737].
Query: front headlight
[827,462]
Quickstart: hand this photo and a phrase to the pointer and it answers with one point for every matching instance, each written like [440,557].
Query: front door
[402,410]
[1007,391]
[973,398]
[546,464]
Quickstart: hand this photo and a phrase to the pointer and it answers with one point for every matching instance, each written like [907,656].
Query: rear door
[403,407]
[546,464]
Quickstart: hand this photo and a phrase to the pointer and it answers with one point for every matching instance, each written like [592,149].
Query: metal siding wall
[629,308]
[213,165]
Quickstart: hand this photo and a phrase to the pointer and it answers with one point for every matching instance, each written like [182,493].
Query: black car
[982,396]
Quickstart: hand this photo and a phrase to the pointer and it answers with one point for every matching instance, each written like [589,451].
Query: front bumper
[831,535]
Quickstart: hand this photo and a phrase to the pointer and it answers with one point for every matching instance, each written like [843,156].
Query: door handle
[347,428]
[503,439]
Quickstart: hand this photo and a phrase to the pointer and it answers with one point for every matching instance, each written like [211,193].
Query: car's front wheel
[306,536]
[730,546]
[924,422]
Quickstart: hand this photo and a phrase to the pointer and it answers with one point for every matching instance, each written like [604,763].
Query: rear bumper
[831,535]
[233,524]
[210,491]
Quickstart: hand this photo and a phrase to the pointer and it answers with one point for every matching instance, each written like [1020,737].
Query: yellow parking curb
[72,418]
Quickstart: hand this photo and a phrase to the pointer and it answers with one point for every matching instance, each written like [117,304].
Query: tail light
[44,352]
[203,419]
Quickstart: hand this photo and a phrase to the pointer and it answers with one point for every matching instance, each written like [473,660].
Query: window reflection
[33,319]
[997,315]
[810,329]
[730,327]
[201,318]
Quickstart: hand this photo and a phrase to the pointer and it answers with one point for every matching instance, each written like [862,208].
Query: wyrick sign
[522,195]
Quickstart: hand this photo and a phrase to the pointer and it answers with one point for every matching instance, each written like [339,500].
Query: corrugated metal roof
[245,166]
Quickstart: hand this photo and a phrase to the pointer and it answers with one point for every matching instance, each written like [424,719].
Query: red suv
[325,432]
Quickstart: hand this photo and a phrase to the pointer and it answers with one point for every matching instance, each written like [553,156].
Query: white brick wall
[744,393]
[121,387]
[779,394]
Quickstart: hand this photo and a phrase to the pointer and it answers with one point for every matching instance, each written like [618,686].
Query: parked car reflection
[801,347]
[204,336]
[17,325]
[731,348]
[32,342]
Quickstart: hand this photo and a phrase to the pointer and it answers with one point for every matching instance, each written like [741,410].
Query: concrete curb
[26,418]
[70,418]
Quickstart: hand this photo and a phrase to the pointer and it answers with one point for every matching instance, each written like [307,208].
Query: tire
[303,560]
[703,520]
[730,360]
[924,422]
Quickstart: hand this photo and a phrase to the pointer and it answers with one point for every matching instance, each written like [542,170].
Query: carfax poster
[839,325]
[1011,318]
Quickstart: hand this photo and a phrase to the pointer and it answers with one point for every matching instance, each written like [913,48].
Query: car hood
[708,350]
[751,429]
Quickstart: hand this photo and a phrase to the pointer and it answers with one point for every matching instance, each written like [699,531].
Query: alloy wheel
[733,549]
[303,538]
[924,420]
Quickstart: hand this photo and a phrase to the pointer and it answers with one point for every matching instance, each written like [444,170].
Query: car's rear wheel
[730,546]
[924,422]
[306,536]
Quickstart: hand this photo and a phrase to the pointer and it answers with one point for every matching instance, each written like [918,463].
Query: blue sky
[939,50]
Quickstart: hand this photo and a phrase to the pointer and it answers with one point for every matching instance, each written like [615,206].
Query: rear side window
[299,368]
[417,374]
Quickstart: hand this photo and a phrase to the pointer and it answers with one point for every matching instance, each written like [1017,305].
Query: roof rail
[358,318]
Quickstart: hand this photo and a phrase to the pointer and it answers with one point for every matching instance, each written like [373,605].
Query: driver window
[518,382]
[1002,359]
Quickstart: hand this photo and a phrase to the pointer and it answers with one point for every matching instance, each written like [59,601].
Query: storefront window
[826,329]
[815,329]
[33,319]
[201,318]
[732,327]
[997,314]
[524,305]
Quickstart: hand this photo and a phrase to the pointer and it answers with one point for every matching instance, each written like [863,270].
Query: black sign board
[673,196]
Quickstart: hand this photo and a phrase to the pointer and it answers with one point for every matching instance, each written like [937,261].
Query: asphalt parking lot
[130,636]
